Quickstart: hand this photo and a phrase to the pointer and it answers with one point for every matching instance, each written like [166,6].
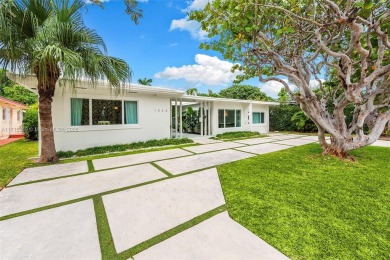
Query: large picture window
[106,112]
[79,110]
[228,118]
[258,117]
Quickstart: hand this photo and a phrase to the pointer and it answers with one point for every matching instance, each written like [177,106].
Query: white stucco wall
[246,117]
[261,128]
[153,121]
[11,124]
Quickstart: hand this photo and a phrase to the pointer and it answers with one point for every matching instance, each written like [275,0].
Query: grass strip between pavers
[106,241]
[26,212]
[170,233]
[91,168]
[162,169]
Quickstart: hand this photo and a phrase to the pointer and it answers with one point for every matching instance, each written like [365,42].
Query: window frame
[4,116]
[262,116]
[92,127]
[235,118]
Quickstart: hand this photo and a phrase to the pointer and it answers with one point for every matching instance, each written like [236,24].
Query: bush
[281,119]
[124,147]
[30,123]
[238,134]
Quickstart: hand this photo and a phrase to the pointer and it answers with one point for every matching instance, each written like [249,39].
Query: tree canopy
[246,92]
[15,92]
[302,40]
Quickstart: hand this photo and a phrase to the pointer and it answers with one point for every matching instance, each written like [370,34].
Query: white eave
[30,82]
[190,98]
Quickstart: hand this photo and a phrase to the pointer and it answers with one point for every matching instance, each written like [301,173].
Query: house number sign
[160,110]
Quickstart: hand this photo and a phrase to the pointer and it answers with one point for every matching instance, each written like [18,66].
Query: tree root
[337,152]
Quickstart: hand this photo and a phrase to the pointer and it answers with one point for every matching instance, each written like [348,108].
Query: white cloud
[173,44]
[193,27]
[207,70]
[196,5]
[143,1]
[271,88]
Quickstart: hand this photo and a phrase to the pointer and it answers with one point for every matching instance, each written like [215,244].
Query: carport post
[181,118]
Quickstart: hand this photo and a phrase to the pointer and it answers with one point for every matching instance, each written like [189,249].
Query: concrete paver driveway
[139,198]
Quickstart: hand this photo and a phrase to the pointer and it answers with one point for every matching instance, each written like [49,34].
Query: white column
[201,118]
[170,118]
[209,119]
[250,117]
[181,118]
[176,118]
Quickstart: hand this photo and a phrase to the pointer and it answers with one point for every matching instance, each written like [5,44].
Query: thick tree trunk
[338,148]
[47,80]
[48,150]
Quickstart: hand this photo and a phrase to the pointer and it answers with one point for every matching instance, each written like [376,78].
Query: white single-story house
[11,118]
[89,116]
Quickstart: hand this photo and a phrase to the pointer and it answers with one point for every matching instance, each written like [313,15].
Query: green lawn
[14,158]
[314,207]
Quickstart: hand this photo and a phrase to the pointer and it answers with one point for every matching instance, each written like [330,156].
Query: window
[4,114]
[258,117]
[106,112]
[131,112]
[18,115]
[228,118]
[79,110]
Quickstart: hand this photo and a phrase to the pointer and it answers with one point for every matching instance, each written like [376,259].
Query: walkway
[9,140]
[166,204]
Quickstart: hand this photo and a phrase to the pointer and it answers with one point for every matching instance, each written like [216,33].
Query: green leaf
[248,29]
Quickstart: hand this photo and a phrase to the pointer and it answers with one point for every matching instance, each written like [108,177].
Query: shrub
[238,134]
[288,118]
[30,123]
[124,147]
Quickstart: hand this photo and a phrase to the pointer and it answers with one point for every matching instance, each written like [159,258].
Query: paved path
[51,211]
[9,140]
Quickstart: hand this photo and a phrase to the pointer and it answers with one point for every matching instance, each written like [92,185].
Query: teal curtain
[131,113]
[76,110]
[238,118]
[256,118]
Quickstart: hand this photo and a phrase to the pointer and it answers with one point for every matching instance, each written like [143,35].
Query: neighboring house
[88,117]
[11,118]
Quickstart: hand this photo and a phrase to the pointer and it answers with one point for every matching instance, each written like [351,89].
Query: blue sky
[164,46]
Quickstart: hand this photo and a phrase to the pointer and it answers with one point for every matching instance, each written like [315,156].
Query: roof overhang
[190,98]
[11,103]
[30,82]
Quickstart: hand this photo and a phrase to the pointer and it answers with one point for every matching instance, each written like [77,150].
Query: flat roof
[190,98]
[30,82]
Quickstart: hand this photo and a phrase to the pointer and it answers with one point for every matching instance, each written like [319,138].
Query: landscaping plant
[300,41]
[49,39]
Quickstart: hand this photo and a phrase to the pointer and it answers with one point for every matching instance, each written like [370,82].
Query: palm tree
[49,39]
[145,81]
[192,92]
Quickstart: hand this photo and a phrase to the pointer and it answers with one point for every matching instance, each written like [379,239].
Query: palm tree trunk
[48,150]
[46,89]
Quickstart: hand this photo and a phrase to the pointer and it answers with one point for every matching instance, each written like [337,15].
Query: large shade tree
[244,92]
[49,39]
[300,41]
